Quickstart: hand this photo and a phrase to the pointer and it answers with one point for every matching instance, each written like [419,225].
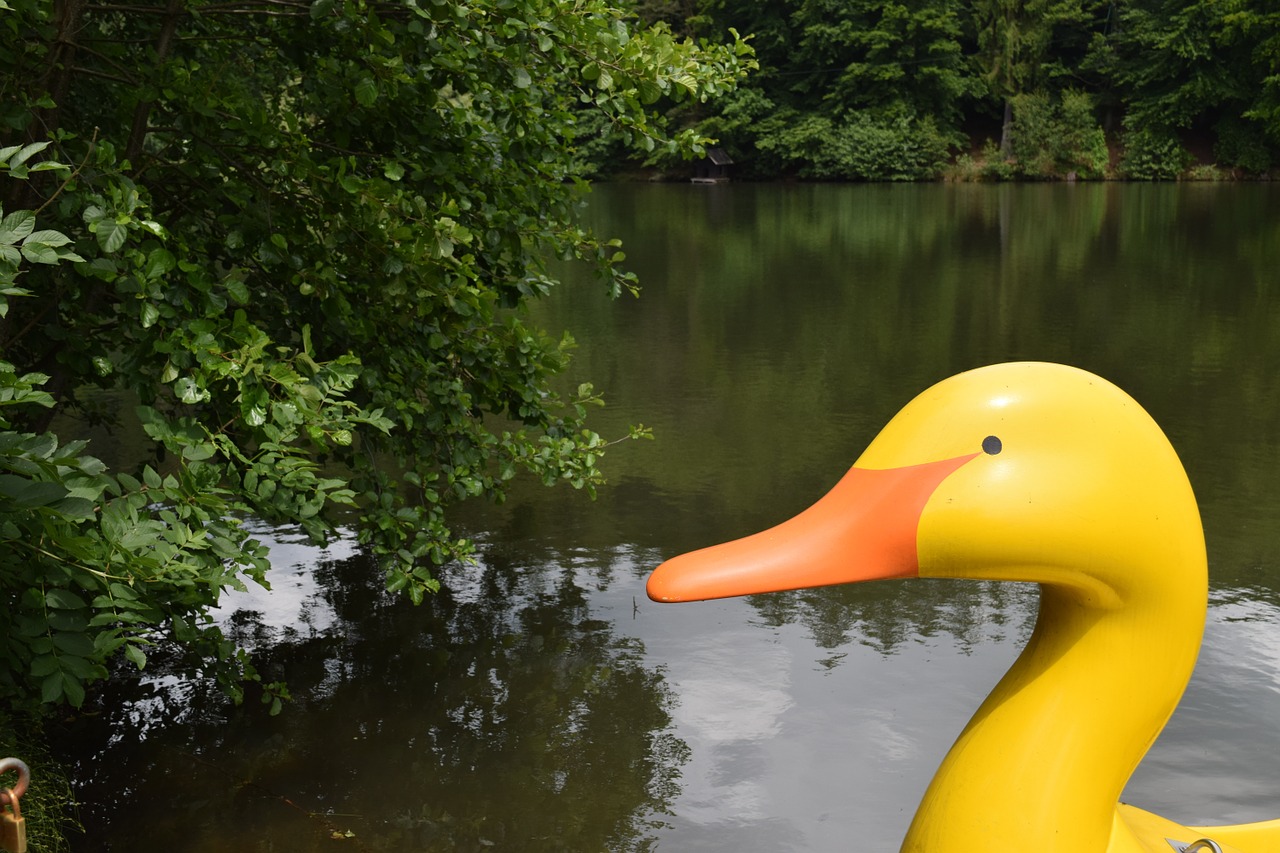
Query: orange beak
[863,529]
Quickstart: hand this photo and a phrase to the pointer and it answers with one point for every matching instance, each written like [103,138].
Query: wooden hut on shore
[712,169]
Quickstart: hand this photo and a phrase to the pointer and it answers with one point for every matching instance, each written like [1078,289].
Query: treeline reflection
[498,714]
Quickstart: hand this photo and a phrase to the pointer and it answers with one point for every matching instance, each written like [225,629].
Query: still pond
[542,703]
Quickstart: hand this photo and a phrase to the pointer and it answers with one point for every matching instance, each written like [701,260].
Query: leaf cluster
[300,235]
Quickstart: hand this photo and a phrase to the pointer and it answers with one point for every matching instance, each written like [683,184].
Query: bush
[1033,135]
[797,143]
[1241,145]
[1153,154]
[995,166]
[900,149]
[863,148]
[1207,173]
[965,170]
[1082,143]
[1052,138]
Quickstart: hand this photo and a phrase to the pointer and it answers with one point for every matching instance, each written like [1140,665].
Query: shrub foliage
[300,235]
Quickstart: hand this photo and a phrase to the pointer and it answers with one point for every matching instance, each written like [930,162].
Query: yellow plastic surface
[1024,472]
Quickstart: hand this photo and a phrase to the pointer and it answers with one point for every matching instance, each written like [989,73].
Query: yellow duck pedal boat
[1022,472]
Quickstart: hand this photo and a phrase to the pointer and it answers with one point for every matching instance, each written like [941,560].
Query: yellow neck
[1042,763]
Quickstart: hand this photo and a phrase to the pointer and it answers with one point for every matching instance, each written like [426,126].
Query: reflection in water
[543,704]
[1226,722]
[501,714]
[788,753]
[968,613]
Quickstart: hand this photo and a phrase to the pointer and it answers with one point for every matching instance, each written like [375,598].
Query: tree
[1183,64]
[848,90]
[899,56]
[1171,60]
[302,234]
[1017,41]
[1259,26]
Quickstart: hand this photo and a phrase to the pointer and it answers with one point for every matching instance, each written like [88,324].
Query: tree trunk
[1006,130]
[142,112]
[59,67]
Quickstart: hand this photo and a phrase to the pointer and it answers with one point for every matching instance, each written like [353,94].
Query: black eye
[991,445]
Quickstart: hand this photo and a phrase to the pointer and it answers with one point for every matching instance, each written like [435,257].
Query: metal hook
[10,796]
[1202,844]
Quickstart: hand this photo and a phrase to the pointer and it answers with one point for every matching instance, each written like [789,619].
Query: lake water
[543,703]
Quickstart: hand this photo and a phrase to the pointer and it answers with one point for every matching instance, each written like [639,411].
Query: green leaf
[49,166]
[83,669]
[198,452]
[49,238]
[17,226]
[26,153]
[136,655]
[67,620]
[74,509]
[121,591]
[102,268]
[189,392]
[29,494]
[73,689]
[111,235]
[39,253]
[366,92]
[51,689]
[159,262]
[238,291]
[115,520]
[73,643]
[44,665]
[9,256]
[62,599]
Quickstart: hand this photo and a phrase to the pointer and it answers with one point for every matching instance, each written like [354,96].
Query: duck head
[1026,471]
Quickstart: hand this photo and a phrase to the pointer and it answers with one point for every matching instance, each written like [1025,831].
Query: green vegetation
[48,806]
[300,236]
[910,89]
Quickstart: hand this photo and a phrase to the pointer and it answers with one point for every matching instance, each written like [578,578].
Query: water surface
[542,703]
